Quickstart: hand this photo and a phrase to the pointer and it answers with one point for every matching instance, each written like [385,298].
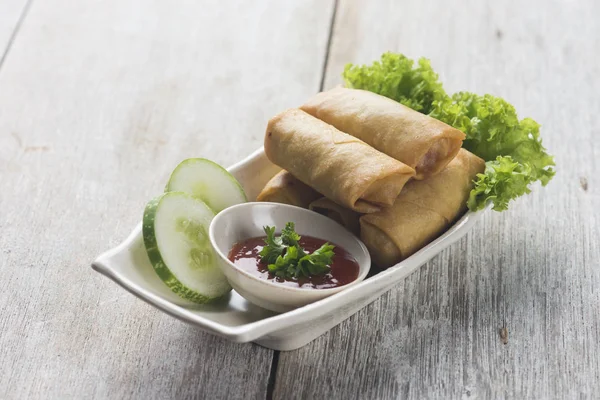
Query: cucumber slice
[175,230]
[207,181]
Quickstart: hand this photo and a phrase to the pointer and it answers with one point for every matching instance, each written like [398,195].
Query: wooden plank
[533,269]
[11,12]
[98,102]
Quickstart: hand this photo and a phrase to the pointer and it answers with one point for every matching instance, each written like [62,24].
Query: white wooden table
[99,100]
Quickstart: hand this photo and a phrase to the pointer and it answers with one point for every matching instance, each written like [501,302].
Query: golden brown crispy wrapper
[342,215]
[422,212]
[421,142]
[341,167]
[285,188]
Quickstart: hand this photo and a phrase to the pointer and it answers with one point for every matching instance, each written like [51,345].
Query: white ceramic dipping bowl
[247,220]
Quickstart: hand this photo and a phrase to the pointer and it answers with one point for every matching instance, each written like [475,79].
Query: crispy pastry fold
[419,141]
[422,212]
[337,165]
[285,188]
[342,215]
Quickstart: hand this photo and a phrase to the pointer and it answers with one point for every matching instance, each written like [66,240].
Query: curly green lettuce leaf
[493,132]
[502,181]
[396,76]
[512,148]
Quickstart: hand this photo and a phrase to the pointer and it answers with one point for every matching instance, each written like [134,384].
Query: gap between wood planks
[15,31]
[275,362]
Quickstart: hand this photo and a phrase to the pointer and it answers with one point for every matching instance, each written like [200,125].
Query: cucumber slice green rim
[207,181]
[175,232]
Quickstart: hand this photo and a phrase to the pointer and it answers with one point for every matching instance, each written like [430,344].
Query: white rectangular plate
[238,320]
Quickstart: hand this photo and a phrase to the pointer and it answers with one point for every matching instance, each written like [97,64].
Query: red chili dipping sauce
[344,268]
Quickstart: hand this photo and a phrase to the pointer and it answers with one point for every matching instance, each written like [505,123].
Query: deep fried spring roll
[285,188]
[421,142]
[342,215]
[423,210]
[337,165]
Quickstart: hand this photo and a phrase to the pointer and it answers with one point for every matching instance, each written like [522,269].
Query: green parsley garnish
[287,259]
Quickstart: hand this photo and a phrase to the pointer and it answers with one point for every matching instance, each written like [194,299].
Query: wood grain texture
[11,12]
[99,100]
[534,269]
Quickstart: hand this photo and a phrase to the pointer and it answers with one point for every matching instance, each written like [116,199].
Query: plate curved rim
[255,330]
